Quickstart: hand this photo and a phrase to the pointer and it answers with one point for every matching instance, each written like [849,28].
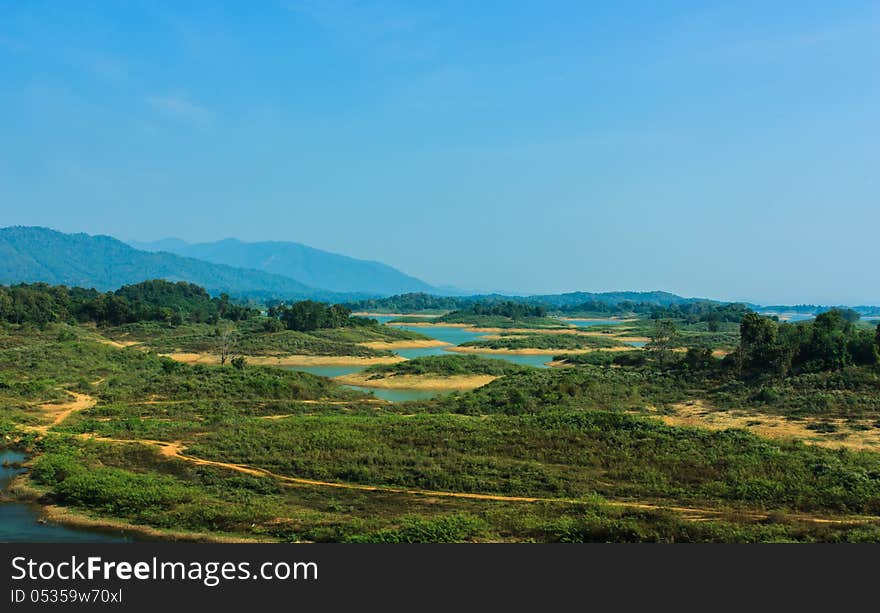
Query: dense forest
[155,300]
[607,301]
[308,315]
[831,342]
[513,310]
[411,302]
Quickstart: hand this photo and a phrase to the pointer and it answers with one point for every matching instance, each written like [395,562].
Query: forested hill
[657,298]
[421,301]
[34,254]
[311,266]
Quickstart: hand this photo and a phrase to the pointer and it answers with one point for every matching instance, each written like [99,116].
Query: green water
[398,395]
[20,522]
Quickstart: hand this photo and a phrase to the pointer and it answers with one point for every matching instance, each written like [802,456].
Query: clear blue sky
[721,149]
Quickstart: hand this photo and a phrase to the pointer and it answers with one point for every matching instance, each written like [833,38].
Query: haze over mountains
[263,270]
[313,267]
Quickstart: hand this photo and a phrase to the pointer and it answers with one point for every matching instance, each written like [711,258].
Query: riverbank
[417,382]
[414,344]
[21,491]
[288,360]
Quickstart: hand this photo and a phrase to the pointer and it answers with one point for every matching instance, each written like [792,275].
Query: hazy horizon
[705,149]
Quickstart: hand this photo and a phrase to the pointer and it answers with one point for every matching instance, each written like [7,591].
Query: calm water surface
[19,522]
[453,335]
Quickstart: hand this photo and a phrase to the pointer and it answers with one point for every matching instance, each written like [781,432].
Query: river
[454,335]
[20,522]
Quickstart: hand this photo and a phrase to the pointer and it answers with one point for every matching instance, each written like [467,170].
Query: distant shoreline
[415,344]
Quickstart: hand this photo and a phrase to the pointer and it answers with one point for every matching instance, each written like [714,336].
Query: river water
[20,522]
[454,335]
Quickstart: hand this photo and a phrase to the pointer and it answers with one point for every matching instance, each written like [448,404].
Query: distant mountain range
[313,267]
[259,270]
[262,271]
[30,254]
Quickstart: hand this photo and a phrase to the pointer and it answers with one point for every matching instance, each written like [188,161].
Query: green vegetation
[156,300]
[506,314]
[564,455]
[408,303]
[546,341]
[308,315]
[253,337]
[448,366]
[831,342]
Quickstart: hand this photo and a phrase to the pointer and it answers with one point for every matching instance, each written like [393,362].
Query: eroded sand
[411,344]
[698,414]
[417,382]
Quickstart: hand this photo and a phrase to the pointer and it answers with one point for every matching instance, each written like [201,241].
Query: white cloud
[180,107]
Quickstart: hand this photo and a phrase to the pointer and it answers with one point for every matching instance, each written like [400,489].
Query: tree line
[308,315]
[507,308]
[156,300]
[831,342]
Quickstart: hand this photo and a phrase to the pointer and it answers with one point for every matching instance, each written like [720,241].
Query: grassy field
[251,338]
[605,450]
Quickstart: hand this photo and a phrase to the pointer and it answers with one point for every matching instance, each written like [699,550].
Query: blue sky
[728,150]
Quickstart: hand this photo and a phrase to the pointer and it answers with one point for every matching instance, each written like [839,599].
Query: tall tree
[661,339]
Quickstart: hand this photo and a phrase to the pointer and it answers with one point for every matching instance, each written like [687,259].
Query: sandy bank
[427,324]
[288,360]
[68,517]
[117,344]
[417,382]
[532,351]
[493,330]
[413,344]
[559,364]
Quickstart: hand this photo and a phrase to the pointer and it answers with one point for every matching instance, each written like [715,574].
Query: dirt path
[59,412]
[175,450]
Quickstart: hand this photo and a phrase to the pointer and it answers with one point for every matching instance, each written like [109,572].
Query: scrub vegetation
[779,440]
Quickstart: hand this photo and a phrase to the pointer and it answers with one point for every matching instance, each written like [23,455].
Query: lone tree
[227,339]
[661,339]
